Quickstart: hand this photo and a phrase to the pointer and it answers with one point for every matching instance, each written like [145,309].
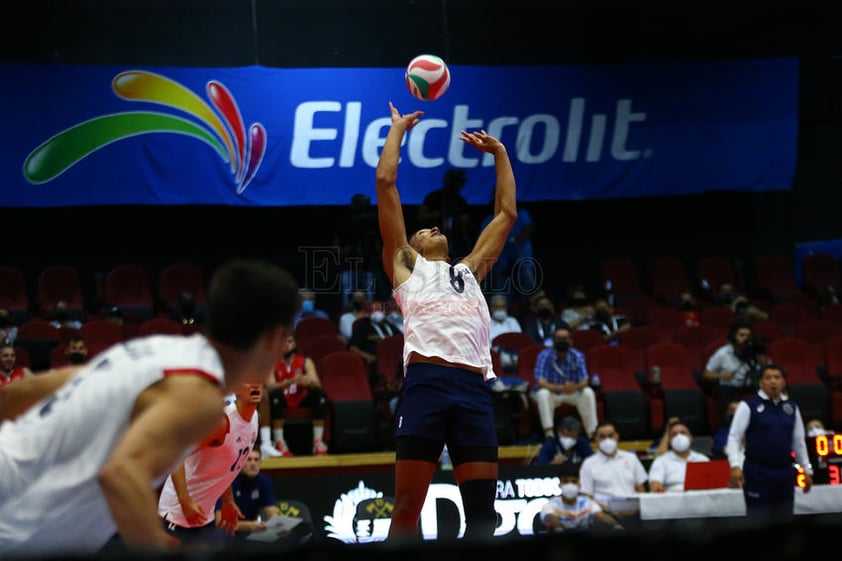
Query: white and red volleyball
[427,77]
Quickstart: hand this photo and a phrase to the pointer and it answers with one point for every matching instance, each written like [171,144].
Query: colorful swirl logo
[65,149]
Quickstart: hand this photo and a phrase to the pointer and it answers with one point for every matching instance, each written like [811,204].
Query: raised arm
[493,237]
[389,209]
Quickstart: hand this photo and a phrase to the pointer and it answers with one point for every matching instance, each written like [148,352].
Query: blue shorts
[446,404]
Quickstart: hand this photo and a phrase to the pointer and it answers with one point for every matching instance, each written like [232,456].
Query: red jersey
[283,371]
[16,374]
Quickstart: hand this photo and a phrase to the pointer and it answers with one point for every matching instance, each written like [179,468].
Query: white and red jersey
[445,315]
[50,456]
[211,469]
[283,371]
[17,374]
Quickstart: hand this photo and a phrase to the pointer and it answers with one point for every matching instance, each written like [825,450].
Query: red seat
[667,321]
[820,271]
[638,309]
[128,287]
[509,345]
[22,357]
[58,356]
[38,338]
[160,326]
[353,412]
[766,330]
[315,326]
[816,333]
[637,339]
[775,275]
[181,277]
[682,395]
[623,398]
[57,283]
[716,270]
[622,274]
[101,333]
[718,317]
[14,294]
[585,339]
[788,315]
[320,346]
[668,279]
[389,358]
[805,386]
[696,340]
[832,313]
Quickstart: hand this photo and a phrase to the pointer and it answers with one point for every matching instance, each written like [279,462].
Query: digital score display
[825,453]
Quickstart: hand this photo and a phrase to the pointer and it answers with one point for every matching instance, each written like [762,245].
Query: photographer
[734,367]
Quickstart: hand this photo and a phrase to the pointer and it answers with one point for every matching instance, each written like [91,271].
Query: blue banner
[96,135]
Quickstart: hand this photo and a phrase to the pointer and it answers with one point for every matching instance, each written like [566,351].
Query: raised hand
[482,141]
[409,120]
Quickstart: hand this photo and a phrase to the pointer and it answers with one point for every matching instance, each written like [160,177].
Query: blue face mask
[307,306]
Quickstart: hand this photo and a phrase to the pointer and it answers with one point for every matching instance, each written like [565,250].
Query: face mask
[499,315]
[76,358]
[569,490]
[608,446]
[680,443]
[308,306]
[815,431]
[561,346]
[566,442]
[545,313]
[377,316]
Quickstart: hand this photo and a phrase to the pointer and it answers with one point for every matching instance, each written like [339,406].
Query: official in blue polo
[773,430]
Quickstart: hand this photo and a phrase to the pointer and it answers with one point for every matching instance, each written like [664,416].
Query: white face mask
[377,316]
[569,490]
[815,431]
[608,446]
[567,442]
[499,315]
[680,443]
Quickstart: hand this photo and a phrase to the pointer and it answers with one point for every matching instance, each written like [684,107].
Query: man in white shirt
[666,474]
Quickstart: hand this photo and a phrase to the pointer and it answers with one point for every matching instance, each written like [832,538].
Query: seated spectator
[254,497]
[294,383]
[569,446]
[8,329]
[740,304]
[573,511]
[666,474]
[502,322]
[608,322]
[815,427]
[660,444]
[689,309]
[561,376]
[61,317]
[75,351]
[10,371]
[356,309]
[579,311]
[308,306]
[365,337]
[542,326]
[393,314]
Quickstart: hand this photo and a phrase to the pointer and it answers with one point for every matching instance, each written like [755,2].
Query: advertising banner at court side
[258,136]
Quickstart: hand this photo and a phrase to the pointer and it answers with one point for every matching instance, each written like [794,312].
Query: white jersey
[211,469]
[50,500]
[445,315]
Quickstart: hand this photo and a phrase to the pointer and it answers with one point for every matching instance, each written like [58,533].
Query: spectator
[294,383]
[502,322]
[367,334]
[543,325]
[184,310]
[770,427]
[739,303]
[8,329]
[569,446]
[573,511]
[660,444]
[608,322]
[254,497]
[562,377]
[579,312]
[308,306]
[815,427]
[734,367]
[75,352]
[61,317]
[668,470]
[356,309]
[612,472]
[10,371]
[689,309]
[446,209]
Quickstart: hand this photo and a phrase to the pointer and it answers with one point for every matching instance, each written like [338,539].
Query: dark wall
[571,236]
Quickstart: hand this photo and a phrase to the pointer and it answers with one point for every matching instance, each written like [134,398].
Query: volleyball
[427,77]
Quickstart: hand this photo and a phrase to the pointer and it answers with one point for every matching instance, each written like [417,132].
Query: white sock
[279,435]
[318,432]
[265,436]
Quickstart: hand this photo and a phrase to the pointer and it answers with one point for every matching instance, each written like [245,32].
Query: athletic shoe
[269,451]
[319,448]
[283,449]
